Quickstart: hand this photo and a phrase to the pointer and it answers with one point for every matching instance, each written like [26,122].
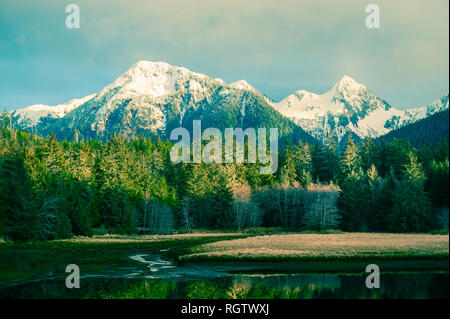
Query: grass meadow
[34,260]
[345,246]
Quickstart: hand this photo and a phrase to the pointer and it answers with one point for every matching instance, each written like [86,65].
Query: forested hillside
[429,130]
[51,189]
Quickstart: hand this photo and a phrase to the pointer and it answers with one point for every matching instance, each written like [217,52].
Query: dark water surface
[161,279]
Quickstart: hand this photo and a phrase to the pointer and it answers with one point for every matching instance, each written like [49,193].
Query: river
[158,278]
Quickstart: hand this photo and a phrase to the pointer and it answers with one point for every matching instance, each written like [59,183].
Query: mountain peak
[147,63]
[348,84]
[346,78]
[242,85]
[150,68]
[304,92]
[152,78]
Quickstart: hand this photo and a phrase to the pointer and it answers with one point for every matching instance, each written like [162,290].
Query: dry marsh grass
[324,246]
[143,238]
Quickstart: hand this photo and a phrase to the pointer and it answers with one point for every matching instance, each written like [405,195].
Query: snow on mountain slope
[374,124]
[153,97]
[349,107]
[346,96]
[137,100]
[242,85]
[154,79]
[412,115]
[31,115]
[425,111]
[146,99]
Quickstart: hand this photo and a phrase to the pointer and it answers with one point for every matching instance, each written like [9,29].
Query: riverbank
[20,262]
[283,252]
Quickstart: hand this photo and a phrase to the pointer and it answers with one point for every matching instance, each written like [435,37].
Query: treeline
[428,130]
[51,189]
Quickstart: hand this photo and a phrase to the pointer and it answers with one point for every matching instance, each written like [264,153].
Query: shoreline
[324,253]
[335,266]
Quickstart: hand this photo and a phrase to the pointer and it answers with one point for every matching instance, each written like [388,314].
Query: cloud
[278,46]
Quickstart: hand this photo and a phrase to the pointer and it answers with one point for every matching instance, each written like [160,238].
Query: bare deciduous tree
[153,217]
[246,212]
[322,212]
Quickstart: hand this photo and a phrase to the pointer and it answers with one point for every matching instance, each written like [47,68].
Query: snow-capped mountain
[242,85]
[31,115]
[349,107]
[142,100]
[151,98]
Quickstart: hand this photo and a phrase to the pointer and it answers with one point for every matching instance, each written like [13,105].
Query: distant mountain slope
[431,129]
[31,115]
[349,107]
[152,98]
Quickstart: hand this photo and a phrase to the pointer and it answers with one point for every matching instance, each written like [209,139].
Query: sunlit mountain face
[349,107]
[152,98]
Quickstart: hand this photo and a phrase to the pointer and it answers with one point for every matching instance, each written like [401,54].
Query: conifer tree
[288,174]
[350,160]
[352,202]
[413,211]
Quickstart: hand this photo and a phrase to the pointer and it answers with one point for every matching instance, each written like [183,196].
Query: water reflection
[251,286]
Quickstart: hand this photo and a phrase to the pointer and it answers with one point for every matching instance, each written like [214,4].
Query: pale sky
[277,46]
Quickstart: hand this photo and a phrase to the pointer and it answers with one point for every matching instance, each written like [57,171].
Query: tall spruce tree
[412,211]
[350,160]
